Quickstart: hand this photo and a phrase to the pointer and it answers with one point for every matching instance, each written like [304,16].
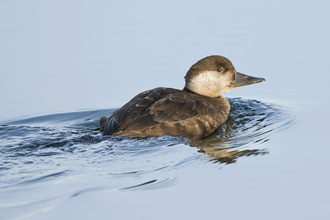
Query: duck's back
[166,111]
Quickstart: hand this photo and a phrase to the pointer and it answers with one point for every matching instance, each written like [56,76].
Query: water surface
[56,158]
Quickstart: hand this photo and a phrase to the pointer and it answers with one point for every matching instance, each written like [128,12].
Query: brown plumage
[167,111]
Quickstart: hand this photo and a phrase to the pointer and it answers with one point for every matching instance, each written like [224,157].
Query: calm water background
[71,62]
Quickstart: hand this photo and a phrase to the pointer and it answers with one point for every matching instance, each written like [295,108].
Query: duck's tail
[110,125]
[103,121]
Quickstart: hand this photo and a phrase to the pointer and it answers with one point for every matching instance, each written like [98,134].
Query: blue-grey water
[64,64]
[56,158]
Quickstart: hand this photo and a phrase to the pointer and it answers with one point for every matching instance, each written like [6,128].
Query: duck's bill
[243,80]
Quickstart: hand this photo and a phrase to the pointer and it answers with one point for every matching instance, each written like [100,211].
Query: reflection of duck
[195,112]
[228,156]
[225,146]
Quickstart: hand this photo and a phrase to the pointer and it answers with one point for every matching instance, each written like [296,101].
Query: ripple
[152,184]
[60,143]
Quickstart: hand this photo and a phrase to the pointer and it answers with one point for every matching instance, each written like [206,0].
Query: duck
[195,111]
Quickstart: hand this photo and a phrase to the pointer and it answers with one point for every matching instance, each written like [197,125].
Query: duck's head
[215,75]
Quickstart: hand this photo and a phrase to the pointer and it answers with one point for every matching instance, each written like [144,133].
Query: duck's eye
[219,69]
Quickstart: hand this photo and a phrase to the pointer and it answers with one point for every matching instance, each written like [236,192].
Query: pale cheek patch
[210,84]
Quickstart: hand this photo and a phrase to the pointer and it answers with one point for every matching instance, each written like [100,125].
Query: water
[56,158]
[64,64]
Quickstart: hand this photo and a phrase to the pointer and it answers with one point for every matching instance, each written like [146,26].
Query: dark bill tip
[243,80]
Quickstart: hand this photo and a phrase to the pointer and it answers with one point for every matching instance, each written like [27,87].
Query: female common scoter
[195,112]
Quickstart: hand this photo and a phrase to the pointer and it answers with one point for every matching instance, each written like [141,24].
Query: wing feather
[164,111]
